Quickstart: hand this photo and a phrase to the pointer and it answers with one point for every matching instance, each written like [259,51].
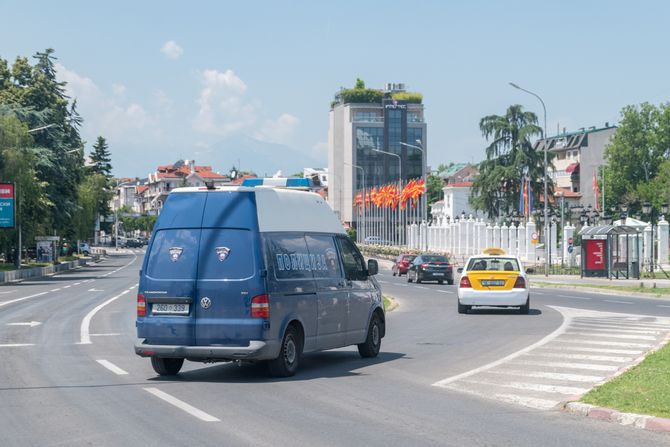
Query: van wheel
[370,348]
[525,309]
[286,364]
[165,366]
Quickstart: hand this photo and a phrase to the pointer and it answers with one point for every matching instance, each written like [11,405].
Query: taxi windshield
[493,264]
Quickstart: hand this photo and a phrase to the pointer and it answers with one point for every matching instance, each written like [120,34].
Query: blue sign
[7,205]
[570,248]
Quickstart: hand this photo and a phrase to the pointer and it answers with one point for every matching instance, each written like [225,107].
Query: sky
[162,80]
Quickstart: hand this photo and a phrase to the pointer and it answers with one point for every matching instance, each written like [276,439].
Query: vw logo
[205,302]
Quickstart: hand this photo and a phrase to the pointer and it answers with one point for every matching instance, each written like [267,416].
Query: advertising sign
[595,254]
[7,205]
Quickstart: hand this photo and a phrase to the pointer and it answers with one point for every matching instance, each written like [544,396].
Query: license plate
[493,282]
[438,274]
[168,308]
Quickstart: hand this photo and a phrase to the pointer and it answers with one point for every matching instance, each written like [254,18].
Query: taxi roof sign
[494,251]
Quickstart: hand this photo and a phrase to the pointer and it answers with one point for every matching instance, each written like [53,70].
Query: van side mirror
[460,270]
[373,267]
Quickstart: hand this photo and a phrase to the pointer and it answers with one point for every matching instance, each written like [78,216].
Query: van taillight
[260,306]
[520,283]
[141,305]
[465,283]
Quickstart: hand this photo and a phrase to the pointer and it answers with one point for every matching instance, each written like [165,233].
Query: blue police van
[253,274]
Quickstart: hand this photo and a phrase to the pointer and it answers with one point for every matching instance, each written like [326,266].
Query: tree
[101,158]
[636,154]
[360,84]
[510,157]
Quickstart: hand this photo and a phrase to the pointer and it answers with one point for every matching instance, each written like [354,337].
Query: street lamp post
[399,163]
[424,208]
[362,238]
[546,199]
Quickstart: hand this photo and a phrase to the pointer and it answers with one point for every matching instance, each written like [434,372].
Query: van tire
[373,341]
[286,364]
[166,366]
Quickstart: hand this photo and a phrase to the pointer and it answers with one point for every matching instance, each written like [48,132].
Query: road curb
[651,423]
[600,291]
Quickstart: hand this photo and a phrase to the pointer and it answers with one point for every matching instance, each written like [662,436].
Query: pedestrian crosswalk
[588,349]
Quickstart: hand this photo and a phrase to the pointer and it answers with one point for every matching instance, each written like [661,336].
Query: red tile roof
[461,184]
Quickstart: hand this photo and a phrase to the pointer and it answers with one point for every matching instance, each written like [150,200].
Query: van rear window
[226,254]
[174,254]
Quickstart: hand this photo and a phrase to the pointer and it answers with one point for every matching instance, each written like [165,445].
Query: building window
[368,117]
[368,138]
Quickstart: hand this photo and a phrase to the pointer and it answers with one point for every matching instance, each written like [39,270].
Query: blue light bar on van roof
[284,182]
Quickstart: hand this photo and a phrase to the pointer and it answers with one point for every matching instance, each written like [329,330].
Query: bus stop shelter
[611,251]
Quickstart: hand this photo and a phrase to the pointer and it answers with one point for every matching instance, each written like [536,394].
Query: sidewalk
[576,279]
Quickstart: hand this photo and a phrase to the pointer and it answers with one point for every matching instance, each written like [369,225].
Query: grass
[389,303]
[658,291]
[645,389]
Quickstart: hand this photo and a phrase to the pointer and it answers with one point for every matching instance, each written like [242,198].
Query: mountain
[258,156]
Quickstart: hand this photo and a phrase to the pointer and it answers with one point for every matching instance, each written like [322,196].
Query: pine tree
[101,158]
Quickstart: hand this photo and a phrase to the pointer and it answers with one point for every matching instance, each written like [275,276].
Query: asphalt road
[69,375]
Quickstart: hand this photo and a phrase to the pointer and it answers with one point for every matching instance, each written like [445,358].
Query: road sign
[534,239]
[7,199]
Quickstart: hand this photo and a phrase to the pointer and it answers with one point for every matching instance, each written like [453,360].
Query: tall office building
[363,122]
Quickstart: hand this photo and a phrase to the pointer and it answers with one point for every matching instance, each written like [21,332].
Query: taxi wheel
[165,366]
[373,342]
[525,309]
[286,364]
[463,308]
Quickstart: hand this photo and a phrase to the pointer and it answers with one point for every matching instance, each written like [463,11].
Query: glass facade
[368,138]
[414,159]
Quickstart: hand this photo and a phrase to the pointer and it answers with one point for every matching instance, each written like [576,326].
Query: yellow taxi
[493,279]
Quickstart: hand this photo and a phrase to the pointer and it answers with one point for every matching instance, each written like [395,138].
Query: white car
[493,279]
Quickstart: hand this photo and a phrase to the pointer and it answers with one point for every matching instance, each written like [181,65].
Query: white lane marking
[532,402]
[402,285]
[55,290]
[549,375]
[603,343]
[28,323]
[382,281]
[95,290]
[613,335]
[570,390]
[76,284]
[112,367]
[16,345]
[8,291]
[630,325]
[662,305]
[111,334]
[86,322]
[422,287]
[596,350]
[182,405]
[574,297]
[67,287]
[617,329]
[593,358]
[445,291]
[618,302]
[569,365]
[561,329]
[4,303]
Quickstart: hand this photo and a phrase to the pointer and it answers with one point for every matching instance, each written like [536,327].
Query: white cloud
[108,113]
[280,130]
[118,89]
[172,50]
[223,109]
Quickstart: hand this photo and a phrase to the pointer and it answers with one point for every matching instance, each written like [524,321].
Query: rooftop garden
[362,95]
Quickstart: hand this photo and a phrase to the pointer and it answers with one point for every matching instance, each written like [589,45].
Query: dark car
[134,243]
[402,263]
[431,268]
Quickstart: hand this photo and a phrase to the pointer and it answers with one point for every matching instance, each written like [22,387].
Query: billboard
[595,254]
[7,205]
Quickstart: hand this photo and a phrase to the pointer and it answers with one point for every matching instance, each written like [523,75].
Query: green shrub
[364,96]
[410,97]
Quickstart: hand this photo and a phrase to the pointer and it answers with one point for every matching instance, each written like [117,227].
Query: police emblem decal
[222,253]
[205,302]
[175,253]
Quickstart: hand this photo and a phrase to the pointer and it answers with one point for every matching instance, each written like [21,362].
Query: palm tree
[509,157]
